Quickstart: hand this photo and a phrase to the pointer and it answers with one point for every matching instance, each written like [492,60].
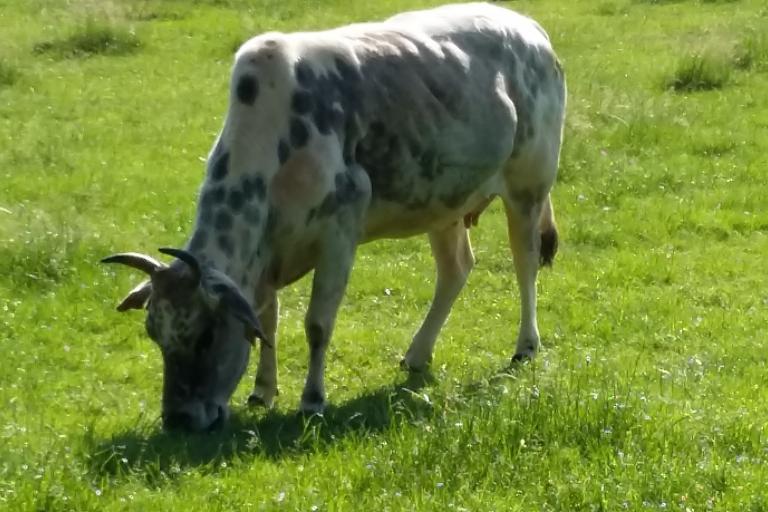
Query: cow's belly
[389,219]
[295,242]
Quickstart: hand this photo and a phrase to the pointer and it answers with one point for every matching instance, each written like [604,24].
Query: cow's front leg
[328,286]
[337,251]
[265,385]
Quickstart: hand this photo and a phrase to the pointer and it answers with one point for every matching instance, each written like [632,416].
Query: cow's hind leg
[533,240]
[265,385]
[454,259]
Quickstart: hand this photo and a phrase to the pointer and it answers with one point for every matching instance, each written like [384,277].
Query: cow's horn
[187,258]
[142,262]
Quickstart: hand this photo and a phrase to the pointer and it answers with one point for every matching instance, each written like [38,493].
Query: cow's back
[431,104]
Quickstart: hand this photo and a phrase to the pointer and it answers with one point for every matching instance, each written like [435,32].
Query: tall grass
[92,37]
[752,51]
[700,72]
[9,74]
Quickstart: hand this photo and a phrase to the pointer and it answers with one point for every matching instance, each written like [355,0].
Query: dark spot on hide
[248,188]
[226,245]
[302,102]
[260,187]
[348,72]
[236,200]
[304,74]
[336,97]
[283,151]
[247,89]
[322,116]
[220,166]
[299,133]
[254,187]
[345,192]
[381,153]
[223,221]
[209,199]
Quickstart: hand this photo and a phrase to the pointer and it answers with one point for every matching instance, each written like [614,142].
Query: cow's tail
[548,230]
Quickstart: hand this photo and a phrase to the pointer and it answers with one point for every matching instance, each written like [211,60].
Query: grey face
[205,353]
[204,328]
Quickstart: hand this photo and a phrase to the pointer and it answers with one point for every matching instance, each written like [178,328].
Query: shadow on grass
[159,456]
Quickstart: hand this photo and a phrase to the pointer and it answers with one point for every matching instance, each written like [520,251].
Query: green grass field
[652,390]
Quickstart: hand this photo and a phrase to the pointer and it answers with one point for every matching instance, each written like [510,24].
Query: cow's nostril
[178,421]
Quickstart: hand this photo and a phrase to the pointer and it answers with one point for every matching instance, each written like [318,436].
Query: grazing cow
[335,138]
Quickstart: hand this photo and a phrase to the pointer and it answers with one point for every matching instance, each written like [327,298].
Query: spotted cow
[335,138]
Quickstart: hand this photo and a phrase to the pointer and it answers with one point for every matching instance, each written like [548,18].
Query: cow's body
[381,130]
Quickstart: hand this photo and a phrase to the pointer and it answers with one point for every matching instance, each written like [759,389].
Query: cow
[334,138]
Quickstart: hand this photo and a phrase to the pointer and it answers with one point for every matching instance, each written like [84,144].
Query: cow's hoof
[410,365]
[312,403]
[405,366]
[521,358]
[309,410]
[260,398]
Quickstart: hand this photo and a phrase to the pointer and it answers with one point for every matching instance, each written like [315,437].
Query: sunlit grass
[650,393]
[92,38]
[700,72]
[9,75]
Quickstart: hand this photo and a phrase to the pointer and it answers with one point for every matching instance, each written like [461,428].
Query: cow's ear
[137,297]
[225,298]
[233,302]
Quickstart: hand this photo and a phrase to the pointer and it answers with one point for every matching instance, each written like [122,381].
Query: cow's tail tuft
[548,230]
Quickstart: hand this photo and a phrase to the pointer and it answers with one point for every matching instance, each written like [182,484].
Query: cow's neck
[231,221]
[232,211]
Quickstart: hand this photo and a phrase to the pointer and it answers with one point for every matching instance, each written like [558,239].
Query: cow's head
[204,328]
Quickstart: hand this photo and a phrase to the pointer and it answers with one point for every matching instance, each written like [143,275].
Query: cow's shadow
[159,456]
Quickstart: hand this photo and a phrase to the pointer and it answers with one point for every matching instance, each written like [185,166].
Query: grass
[9,75]
[609,8]
[752,52]
[92,38]
[700,72]
[650,394]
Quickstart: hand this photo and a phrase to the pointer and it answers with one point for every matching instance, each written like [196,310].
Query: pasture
[651,392]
